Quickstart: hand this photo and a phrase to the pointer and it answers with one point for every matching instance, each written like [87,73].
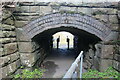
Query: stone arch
[76,20]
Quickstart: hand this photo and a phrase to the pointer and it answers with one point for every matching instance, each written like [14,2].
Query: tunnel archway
[82,38]
[86,30]
[76,20]
[56,58]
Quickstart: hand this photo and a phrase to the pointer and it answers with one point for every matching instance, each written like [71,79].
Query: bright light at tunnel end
[63,39]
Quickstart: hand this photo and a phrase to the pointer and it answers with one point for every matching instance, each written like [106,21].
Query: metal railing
[75,71]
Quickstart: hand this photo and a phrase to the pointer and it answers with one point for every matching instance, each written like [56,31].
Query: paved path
[58,62]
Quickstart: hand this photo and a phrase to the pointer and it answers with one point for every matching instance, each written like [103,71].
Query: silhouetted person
[52,42]
[58,40]
[68,42]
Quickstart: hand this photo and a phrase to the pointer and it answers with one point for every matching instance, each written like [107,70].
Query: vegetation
[37,73]
[109,73]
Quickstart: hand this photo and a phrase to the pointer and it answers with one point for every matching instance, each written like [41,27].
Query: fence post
[81,63]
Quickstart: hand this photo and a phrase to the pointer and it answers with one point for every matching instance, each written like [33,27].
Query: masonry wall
[9,55]
[116,62]
[16,49]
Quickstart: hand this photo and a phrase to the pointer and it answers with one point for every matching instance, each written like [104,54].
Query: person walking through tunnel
[68,42]
[58,40]
[51,43]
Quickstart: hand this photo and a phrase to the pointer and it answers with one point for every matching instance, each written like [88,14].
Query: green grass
[109,73]
[37,73]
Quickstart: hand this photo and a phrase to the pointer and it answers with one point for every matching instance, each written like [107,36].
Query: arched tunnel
[86,30]
[56,59]
[28,41]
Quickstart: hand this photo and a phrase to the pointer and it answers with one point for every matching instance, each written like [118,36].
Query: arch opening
[86,31]
[76,20]
[82,40]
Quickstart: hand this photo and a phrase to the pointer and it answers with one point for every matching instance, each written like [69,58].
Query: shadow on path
[58,62]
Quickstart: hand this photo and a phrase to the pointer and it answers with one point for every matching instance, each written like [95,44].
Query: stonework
[10,48]
[27,46]
[9,54]
[16,49]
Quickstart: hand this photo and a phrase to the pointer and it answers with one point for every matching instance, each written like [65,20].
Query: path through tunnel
[58,61]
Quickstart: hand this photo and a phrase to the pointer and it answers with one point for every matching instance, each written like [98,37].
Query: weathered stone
[18,63]
[113,36]
[7,27]
[117,57]
[10,48]
[88,64]
[26,14]
[4,72]
[55,7]
[28,59]
[96,62]
[119,49]
[1,51]
[113,19]
[91,53]
[114,26]
[25,8]
[20,24]
[7,40]
[4,60]
[112,11]
[21,36]
[14,56]
[12,67]
[6,14]
[9,33]
[104,18]
[0,72]
[107,52]
[119,14]
[45,10]
[104,11]
[98,49]
[99,11]
[22,18]
[62,8]
[87,11]
[115,64]
[1,34]
[34,9]
[9,21]
[27,46]
[119,67]
[26,18]
[104,64]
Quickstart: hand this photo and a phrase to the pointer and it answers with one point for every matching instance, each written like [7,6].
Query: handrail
[74,65]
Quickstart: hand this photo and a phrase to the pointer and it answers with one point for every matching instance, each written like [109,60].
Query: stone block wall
[31,53]
[9,55]
[16,49]
[116,61]
[103,56]
[104,12]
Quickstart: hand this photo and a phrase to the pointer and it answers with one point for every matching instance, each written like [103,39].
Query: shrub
[109,73]
[37,73]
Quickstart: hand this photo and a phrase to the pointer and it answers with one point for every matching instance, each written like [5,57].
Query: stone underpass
[27,28]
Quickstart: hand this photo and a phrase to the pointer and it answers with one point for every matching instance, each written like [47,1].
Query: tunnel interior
[55,59]
[82,39]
